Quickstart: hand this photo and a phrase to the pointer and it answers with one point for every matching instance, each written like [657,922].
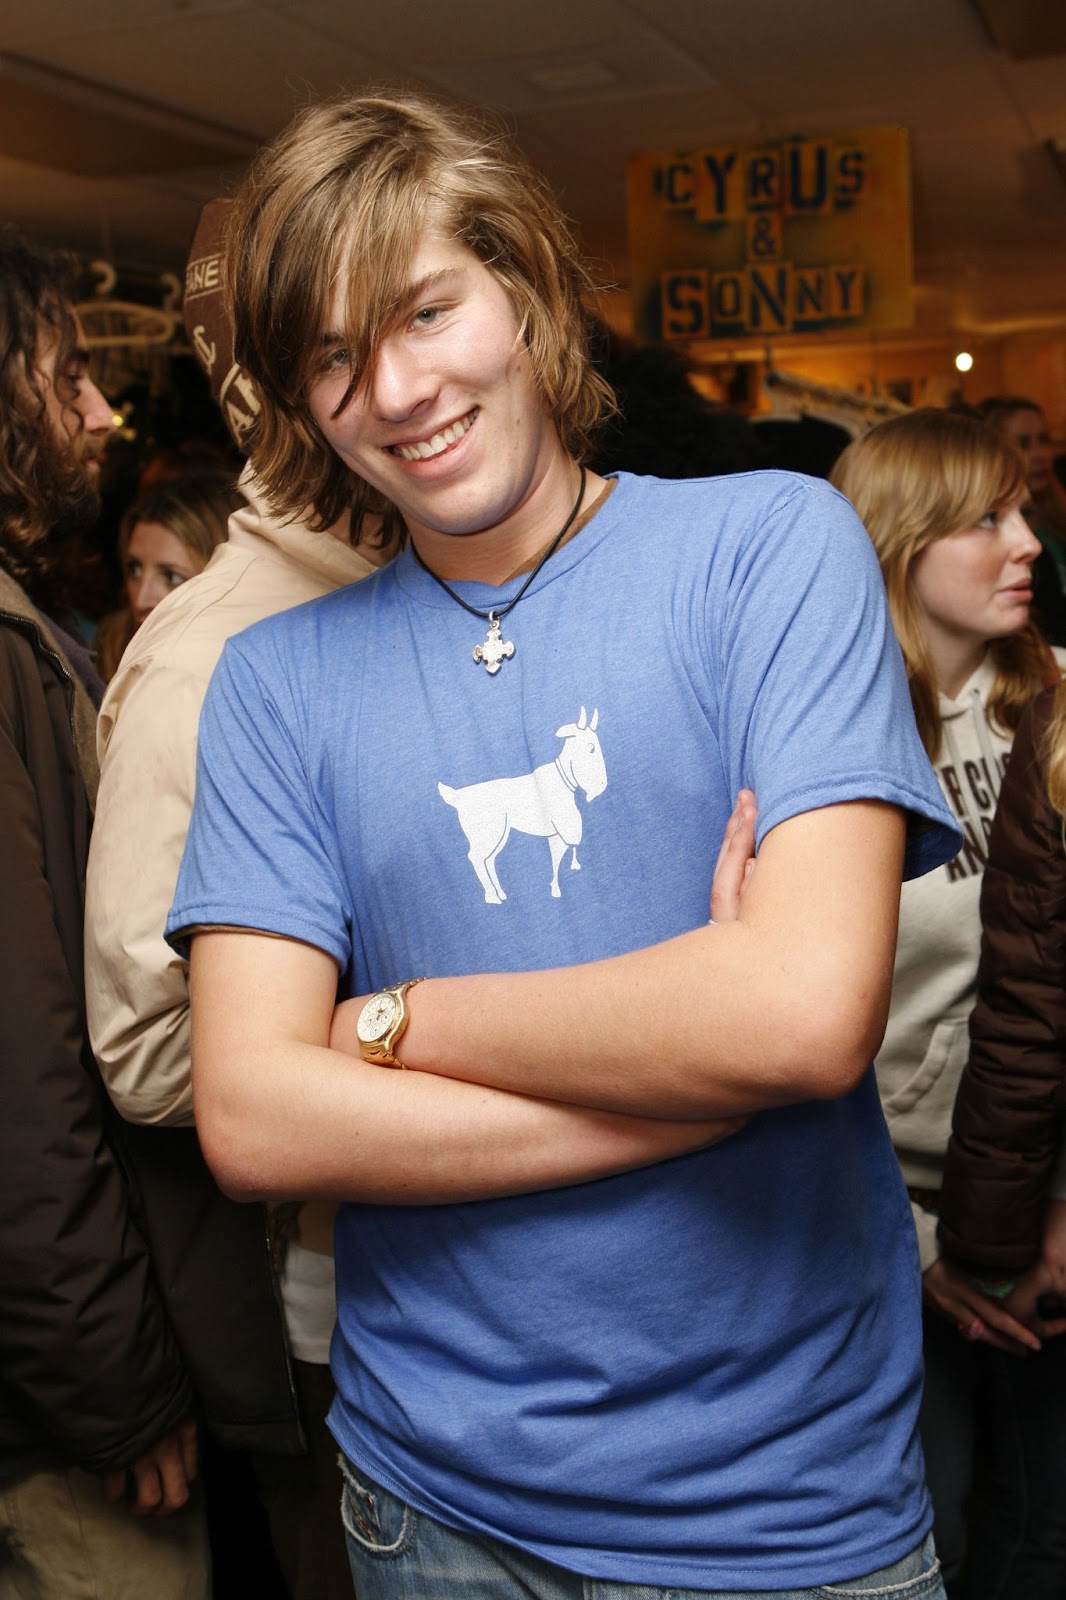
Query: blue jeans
[398,1553]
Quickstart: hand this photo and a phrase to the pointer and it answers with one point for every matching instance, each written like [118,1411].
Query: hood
[326,554]
[967,733]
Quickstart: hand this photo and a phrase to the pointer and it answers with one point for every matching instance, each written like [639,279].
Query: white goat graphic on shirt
[540,802]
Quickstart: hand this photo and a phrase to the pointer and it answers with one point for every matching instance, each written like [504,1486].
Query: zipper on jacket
[27,625]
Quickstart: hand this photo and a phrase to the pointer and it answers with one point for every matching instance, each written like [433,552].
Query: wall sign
[753,241]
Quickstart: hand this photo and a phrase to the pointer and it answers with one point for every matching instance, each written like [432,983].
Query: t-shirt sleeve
[254,857]
[815,705]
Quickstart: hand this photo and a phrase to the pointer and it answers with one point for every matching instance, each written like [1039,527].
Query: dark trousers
[302,1496]
[994,1433]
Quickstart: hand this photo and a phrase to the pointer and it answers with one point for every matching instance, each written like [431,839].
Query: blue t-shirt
[705,1374]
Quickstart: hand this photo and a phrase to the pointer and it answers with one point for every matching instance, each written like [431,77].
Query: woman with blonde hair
[167,537]
[941,495]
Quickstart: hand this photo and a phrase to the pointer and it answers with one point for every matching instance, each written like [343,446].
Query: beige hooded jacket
[137,988]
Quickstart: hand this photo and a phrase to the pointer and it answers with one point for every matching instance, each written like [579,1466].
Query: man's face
[1029,430]
[79,417]
[449,424]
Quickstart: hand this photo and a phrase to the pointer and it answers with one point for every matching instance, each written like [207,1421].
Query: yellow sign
[754,241]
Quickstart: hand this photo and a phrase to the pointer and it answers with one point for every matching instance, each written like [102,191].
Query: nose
[401,383]
[1024,544]
[95,412]
[145,593]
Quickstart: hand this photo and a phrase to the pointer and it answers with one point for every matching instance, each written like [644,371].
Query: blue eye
[426,317]
[989,522]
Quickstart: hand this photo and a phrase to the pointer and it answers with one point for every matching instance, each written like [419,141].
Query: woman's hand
[736,859]
[977,1316]
[1039,1297]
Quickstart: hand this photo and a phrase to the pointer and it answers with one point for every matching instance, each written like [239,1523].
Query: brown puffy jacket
[89,1368]
[1009,1109]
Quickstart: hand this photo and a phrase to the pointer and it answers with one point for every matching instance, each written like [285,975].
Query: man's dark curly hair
[39,479]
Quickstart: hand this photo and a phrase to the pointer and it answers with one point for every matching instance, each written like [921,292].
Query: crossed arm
[538,1080]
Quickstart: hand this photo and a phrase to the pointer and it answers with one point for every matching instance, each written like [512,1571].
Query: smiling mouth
[425,449]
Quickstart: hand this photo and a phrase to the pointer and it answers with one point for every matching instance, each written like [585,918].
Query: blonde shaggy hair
[917,478]
[351,186]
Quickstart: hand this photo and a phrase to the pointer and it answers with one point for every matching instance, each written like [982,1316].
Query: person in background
[941,495]
[97,1441]
[1024,422]
[165,539]
[1003,1201]
[224,1297]
[663,425]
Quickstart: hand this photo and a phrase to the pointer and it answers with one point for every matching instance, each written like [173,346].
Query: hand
[1026,1300]
[977,1316]
[161,1476]
[736,859]
[1033,1298]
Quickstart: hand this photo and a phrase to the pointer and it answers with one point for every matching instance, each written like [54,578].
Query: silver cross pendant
[496,648]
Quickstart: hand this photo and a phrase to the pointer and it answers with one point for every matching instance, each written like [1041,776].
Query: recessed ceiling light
[579,75]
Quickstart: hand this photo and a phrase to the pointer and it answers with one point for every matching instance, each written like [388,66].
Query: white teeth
[425,448]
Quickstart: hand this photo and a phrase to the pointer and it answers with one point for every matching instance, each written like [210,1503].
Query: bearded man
[94,1398]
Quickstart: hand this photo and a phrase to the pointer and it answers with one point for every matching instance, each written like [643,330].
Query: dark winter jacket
[89,1369]
[1009,1110]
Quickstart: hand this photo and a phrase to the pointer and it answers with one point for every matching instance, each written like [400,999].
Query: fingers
[1049,1330]
[1005,1331]
[170,1464]
[147,1489]
[975,1315]
[160,1480]
[736,859]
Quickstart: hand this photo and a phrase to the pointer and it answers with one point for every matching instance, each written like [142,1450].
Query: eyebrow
[408,297]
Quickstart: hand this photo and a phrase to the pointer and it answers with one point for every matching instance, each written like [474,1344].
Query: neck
[493,554]
[954,661]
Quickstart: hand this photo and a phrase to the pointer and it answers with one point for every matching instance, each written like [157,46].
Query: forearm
[310,1121]
[282,1115]
[786,1003]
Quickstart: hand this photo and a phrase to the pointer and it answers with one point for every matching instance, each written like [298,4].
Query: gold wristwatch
[382,1022]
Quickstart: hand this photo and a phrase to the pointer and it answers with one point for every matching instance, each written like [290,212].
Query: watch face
[377,1017]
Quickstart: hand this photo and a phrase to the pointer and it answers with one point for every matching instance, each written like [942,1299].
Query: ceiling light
[964,361]
[565,79]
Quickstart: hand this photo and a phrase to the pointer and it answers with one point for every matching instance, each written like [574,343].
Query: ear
[567,730]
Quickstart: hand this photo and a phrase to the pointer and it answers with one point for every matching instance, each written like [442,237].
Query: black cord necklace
[496,648]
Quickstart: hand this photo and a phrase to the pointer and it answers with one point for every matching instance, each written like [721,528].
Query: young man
[592,1324]
[94,1398]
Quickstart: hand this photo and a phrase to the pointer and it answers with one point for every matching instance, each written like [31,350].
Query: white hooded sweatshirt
[934,982]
